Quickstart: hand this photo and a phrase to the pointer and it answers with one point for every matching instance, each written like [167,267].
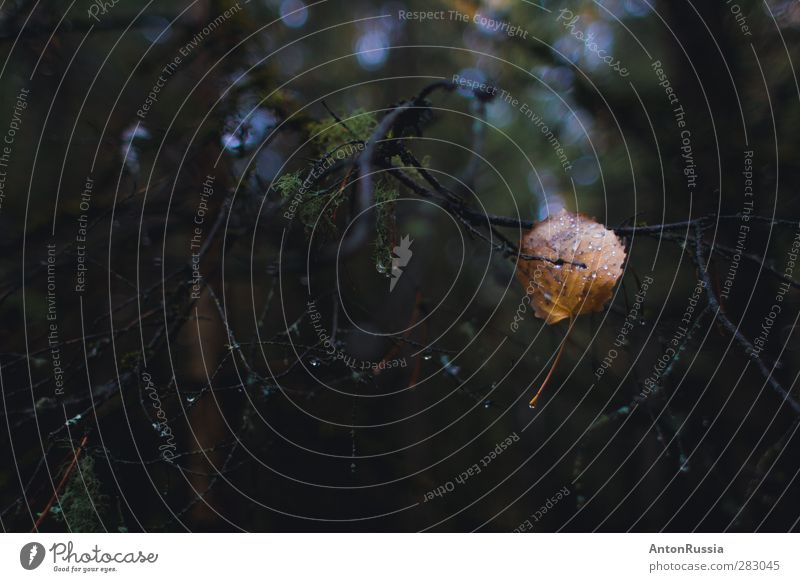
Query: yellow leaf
[561,291]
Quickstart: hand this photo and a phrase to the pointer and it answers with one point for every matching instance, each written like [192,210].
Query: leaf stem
[533,401]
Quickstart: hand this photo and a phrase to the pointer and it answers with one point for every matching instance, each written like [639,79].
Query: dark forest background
[260,427]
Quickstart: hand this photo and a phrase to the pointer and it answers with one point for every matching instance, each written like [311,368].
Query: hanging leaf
[584,282]
[584,262]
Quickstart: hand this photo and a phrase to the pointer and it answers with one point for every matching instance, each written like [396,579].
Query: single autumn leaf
[566,290]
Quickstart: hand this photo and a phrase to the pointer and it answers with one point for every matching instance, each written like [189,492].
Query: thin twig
[76,455]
